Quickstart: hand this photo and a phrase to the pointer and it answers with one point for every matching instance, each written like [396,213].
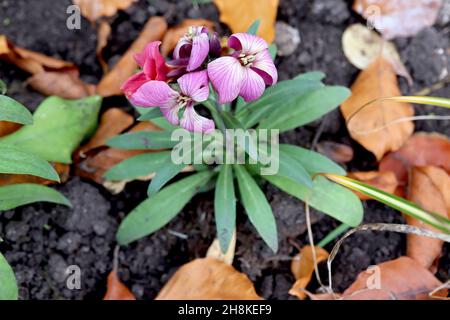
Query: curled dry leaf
[338,152]
[239,15]
[430,189]
[421,149]
[110,85]
[208,279]
[174,34]
[103,33]
[362,46]
[375,126]
[116,290]
[386,181]
[94,9]
[62,169]
[302,267]
[8,127]
[399,279]
[398,18]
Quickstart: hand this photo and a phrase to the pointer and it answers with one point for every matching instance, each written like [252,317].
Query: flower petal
[170,112]
[133,83]
[226,75]
[195,85]
[200,50]
[152,62]
[265,67]
[182,49]
[253,86]
[247,43]
[153,94]
[194,122]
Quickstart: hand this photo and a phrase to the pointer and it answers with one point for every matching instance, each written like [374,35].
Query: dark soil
[41,240]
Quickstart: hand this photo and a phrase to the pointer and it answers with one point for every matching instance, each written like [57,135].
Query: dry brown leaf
[362,46]
[113,122]
[430,189]
[208,279]
[94,9]
[386,181]
[338,152]
[422,149]
[302,267]
[400,279]
[110,85]
[7,127]
[103,33]
[174,34]
[214,250]
[239,15]
[116,290]
[377,81]
[63,171]
[399,18]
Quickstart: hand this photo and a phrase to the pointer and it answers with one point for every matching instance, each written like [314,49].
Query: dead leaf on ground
[421,149]
[386,181]
[208,279]
[239,15]
[399,18]
[430,189]
[94,9]
[116,290]
[103,33]
[373,125]
[7,127]
[338,152]
[362,46]
[63,171]
[50,76]
[214,250]
[302,267]
[174,34]
[110,85]
[399,279]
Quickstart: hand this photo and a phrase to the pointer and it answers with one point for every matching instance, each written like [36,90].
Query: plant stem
[333,235]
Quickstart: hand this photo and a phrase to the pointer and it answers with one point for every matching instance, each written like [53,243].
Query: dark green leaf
[225,206]
[16,195]
[163,175]
[257,207]
[16,161]
[151,114]
[138,166]
[325,196]
[143,140]
[290,167]
[253,29]
[59,126]
[310,107]
[157,211]
[13,111]
[8,284]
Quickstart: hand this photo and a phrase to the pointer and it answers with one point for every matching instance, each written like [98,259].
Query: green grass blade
[8,284]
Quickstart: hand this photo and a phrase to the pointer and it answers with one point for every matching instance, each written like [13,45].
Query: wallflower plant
[221,110]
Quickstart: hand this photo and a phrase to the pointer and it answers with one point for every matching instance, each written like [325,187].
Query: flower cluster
[177,85]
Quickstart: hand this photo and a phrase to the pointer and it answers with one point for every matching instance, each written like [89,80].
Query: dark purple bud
[215,48]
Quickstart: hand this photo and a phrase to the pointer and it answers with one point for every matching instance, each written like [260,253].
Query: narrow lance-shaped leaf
[257,207]
[16,195]
[157,211]
[395,202]
[16,161]
[13,111]
[434,101]
[143,140]
[8,284]
[225,206]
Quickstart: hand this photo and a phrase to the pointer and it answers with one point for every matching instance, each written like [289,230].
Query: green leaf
[138,166]
[434,101]
[312,161]
[3,87]
[289,167]
[13,111]
[310,107]
[8,283]
[16,195]
[288,92]
[225,206]
[249,144]
[325,196]
[164,124]
[400,204]
[157,211]
[253,29]
[143,140]
[257,207]
[16,161]
[59,126]
[163,175]
[273,51]
[151,114]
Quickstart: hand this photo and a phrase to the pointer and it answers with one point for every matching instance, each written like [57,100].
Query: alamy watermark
[73,21]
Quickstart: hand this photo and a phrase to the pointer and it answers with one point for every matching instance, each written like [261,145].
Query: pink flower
[153,65]
[194,46]
[193,88]
[246,72]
